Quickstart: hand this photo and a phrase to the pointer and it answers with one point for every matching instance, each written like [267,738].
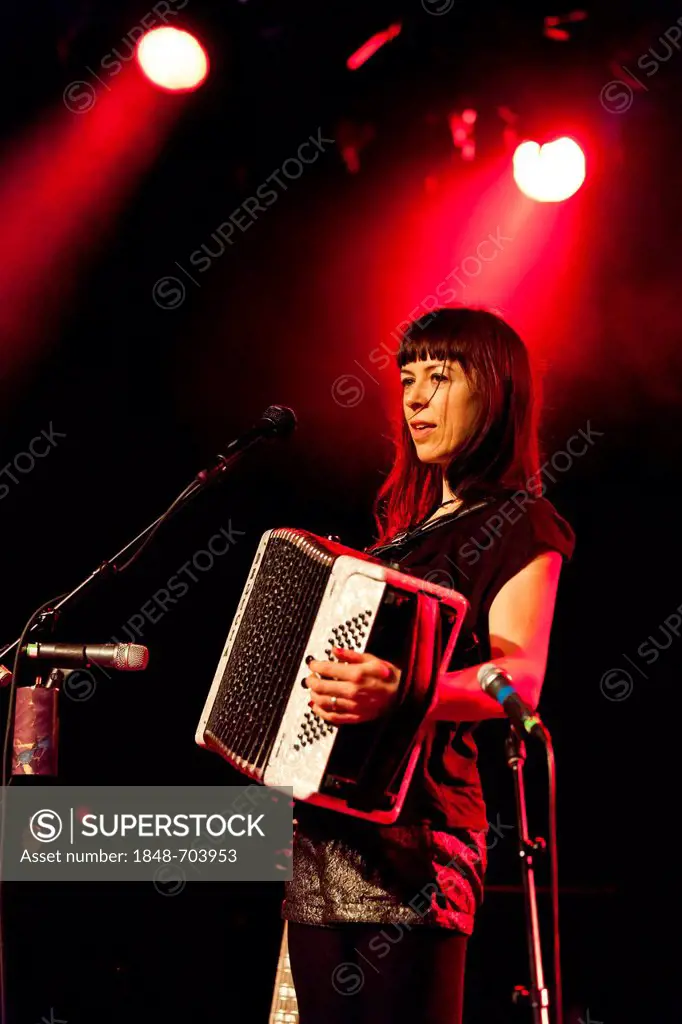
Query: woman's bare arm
[520,622]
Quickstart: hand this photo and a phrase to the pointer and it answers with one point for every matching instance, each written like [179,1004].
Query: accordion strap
[417,687]
[421,673]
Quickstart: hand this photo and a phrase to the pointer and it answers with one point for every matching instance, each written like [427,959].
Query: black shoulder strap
[405,536]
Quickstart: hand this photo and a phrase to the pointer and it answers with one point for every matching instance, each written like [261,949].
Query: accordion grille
[268,647]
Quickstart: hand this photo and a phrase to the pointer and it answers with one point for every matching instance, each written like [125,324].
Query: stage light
[368,49]
[462,131]
[351,138]
[549,173]
[553,23]
[172,59]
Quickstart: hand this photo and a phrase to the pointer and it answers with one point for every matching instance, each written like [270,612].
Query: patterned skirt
[352,871]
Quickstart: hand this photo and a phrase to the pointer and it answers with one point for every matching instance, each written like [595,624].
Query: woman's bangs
[413,350]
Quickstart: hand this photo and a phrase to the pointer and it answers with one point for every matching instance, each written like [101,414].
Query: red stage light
[368,49]
[172,59]
[462,129]
[549,173]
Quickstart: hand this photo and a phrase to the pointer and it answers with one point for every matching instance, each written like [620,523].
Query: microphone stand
[203,480]
[515,751]
[40,701]
[38,704]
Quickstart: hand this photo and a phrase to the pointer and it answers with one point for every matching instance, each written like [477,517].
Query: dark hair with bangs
[501,454]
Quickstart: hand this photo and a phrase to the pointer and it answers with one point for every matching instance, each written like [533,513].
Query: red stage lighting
[368,49]
[549,173]
[172,59]
[462,130]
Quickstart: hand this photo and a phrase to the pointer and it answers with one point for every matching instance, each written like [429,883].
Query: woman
[379,916]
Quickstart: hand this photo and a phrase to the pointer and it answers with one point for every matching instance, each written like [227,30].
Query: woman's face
[440,407]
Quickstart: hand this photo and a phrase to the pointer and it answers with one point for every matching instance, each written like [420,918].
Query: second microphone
[121,657]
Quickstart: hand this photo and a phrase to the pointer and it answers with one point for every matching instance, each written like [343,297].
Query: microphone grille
[486,674]
[280,419]
[131,657]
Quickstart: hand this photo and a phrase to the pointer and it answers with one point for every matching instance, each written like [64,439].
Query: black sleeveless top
[347,869]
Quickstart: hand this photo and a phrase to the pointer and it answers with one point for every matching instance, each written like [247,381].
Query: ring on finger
[334,702]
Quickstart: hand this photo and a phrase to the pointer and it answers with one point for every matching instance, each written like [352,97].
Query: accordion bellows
[303,596]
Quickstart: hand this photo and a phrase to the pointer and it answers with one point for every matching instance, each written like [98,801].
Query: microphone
[276,421]
[122,657]
[497,683]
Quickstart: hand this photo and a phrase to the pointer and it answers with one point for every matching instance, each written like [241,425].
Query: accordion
[303,596]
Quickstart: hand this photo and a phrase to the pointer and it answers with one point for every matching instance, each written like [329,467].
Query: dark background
[146,396]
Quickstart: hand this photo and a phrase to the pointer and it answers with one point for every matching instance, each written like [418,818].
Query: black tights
[377,974]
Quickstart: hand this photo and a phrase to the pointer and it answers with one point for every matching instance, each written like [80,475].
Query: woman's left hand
[365,687]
